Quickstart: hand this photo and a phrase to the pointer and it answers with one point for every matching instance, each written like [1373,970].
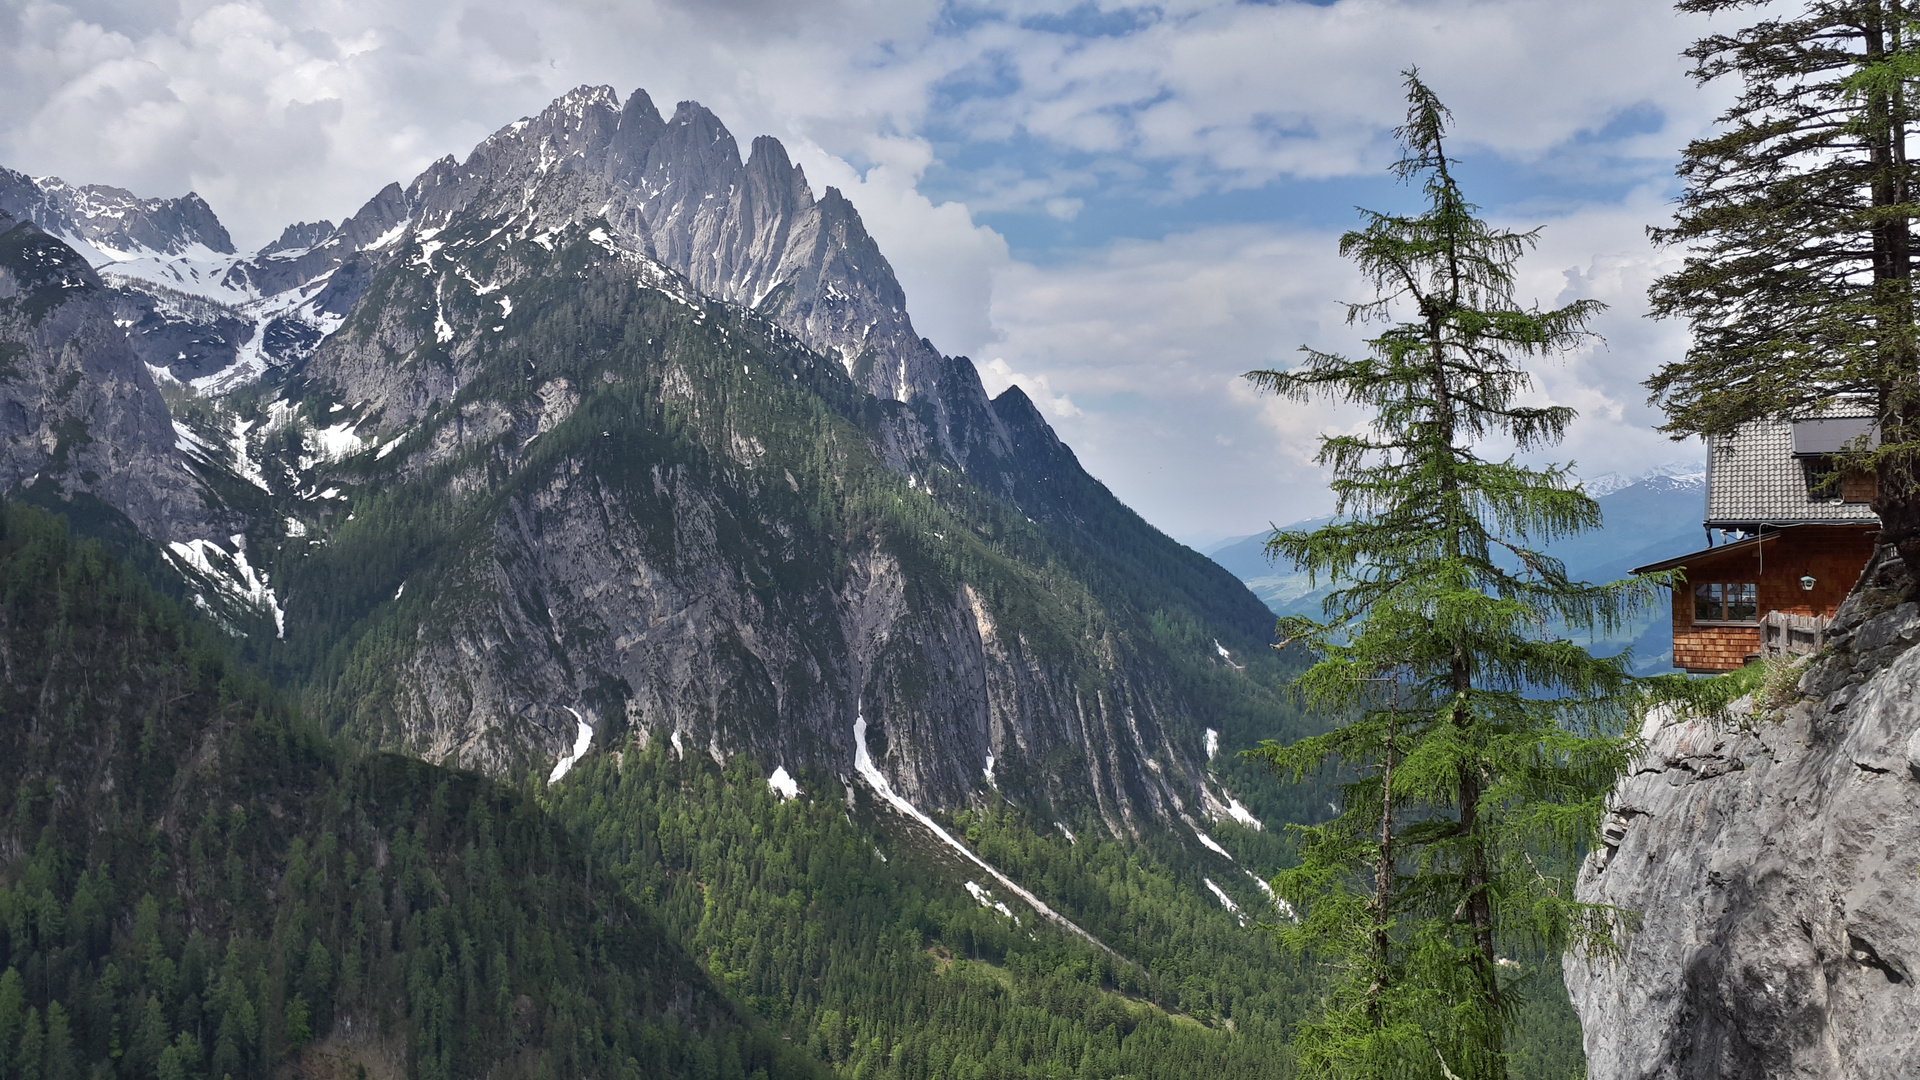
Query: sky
[1119,207]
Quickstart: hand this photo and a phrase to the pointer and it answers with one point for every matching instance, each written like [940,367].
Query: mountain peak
[110,224]
[299,236]
[581,98]
[1671,476]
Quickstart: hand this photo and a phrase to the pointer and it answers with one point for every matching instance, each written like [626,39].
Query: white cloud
[277,109]
[1150,340]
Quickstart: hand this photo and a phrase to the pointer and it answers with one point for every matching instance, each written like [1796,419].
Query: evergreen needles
[1483,745]
[1796,229]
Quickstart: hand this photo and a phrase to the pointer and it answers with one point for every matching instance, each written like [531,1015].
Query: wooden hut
[1788,533]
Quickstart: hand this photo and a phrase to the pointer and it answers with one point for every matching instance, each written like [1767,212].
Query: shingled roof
[1755,478]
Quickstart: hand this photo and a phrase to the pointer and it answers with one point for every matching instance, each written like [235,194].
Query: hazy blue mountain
[1646,518]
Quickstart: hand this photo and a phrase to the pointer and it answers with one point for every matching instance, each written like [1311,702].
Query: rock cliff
[674,517]
[113,220]
[80,416]
[1773,856]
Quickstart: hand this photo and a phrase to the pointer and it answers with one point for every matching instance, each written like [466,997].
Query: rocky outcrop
[604,425]
[705,590]
[79,413]
[748,233]
[1773,859]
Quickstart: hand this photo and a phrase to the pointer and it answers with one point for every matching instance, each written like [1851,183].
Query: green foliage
[1796,226]
[1481,750]
[885,966]
[197,885]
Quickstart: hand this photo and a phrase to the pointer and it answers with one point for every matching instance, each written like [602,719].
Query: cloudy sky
[1119,207]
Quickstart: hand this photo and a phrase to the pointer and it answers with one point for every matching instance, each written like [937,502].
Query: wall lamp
[1806,583]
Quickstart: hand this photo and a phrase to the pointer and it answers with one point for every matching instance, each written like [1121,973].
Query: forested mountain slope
[494,477]
[193,883]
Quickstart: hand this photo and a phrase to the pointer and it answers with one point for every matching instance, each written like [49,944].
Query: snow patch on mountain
[1225,900]
[230,573]
[243,462]
[198,271]
[1674,475]
[783,784]
[1242,815]
[329,444]
[864,765]
[1209,842]
[1279,903]
[582,741]
[189,442]
[986,900]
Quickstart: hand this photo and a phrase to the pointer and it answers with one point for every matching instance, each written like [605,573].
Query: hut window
[1726,603]
[1822,474]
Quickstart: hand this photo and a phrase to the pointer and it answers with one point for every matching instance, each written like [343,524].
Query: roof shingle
[1753,478]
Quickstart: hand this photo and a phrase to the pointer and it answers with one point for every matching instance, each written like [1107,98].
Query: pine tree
[1796,224]
[31,1053]
[1481,747]
[13,1003]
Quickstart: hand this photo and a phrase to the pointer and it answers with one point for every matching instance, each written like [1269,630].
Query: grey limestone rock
[1774,863]
[748,233]
[79,413]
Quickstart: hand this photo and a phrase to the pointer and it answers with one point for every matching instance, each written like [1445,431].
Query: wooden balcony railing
[1783,634]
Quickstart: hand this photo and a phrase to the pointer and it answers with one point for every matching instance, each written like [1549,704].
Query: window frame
[1723,595]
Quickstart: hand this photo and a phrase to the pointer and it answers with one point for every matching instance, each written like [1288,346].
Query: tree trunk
[1897,500]
[1383,885]
[1479,906]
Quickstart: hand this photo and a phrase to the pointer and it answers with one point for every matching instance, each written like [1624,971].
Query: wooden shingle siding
[1858,486]
[1712,648]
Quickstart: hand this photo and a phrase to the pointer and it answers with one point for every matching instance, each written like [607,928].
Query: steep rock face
[190,336]
[79,413]
[677,519]
[1773,858]
[606,426]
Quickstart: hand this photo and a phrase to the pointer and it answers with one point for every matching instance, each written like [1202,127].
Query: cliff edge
[1773,856]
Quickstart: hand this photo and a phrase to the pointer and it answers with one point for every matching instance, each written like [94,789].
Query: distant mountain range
[1646,518]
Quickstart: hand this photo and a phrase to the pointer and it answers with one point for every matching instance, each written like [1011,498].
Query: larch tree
[1796,229]
[1482,745]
